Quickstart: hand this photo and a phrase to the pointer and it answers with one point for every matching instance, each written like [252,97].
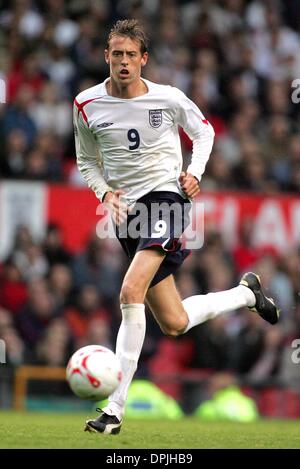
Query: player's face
[125,60]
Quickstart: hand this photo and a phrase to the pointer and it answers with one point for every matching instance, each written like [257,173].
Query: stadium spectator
[87,309]
[36,315]
[13,289]
[53,246]
[98,267]
[60,284]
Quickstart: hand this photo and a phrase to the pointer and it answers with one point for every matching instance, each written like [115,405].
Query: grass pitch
[50,430]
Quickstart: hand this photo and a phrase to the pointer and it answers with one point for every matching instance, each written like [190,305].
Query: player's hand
[117,206]
[189,184]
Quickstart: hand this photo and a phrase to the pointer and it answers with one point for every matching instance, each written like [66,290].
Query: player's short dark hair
[129,28]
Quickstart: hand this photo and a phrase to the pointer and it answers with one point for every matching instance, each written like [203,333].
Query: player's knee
[170,332]
[131,293]
[174,329]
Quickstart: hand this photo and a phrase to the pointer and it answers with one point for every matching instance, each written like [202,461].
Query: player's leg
[140,274]
[166,306]
[130,336]
[177,317]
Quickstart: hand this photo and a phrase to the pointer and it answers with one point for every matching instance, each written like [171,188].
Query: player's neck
[133,90]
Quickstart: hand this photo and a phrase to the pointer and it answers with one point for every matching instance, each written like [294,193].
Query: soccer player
[128,151]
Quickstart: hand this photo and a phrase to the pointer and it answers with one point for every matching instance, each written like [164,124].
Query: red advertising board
[275,220]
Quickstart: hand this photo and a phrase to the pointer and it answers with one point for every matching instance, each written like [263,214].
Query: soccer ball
[93,372]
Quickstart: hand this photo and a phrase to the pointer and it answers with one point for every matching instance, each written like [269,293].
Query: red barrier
[275,220]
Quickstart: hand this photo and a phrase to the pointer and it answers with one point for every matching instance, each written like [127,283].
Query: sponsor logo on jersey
[155,117]
[104,125]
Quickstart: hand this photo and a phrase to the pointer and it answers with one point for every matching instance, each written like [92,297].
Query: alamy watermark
[296,353]
[158,221]
[296,93]
[2,352]
[2,90]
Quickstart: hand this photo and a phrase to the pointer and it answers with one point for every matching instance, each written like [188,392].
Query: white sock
[128,348]
[200,308]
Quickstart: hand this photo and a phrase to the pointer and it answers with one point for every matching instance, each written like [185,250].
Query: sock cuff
[132,305]
[137,306]
[133,313]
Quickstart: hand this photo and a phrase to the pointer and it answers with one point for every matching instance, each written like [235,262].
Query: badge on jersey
[155,117]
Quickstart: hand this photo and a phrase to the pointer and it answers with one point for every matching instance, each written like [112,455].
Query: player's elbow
[211,133]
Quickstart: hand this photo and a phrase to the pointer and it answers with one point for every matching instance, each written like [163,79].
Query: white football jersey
[133,144]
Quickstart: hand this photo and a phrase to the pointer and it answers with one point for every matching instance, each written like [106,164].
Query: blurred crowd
[52,303]
[236,59]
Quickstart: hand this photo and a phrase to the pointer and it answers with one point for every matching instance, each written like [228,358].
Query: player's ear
[144,59]
[106,56]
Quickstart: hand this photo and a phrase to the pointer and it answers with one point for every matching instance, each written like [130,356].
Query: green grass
[49,430]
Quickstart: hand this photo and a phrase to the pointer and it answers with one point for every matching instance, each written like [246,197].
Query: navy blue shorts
[158,225]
